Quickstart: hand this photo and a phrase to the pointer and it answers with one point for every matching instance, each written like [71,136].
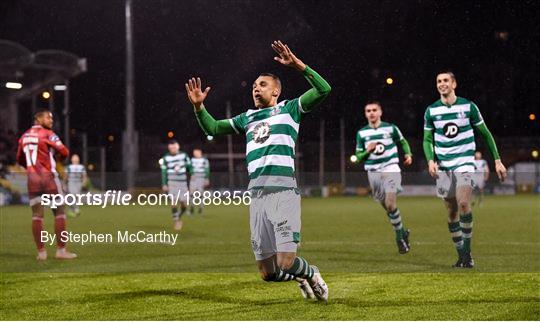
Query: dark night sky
[355,45]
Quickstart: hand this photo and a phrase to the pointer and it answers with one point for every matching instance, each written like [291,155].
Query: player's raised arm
[320,87]
[209,125]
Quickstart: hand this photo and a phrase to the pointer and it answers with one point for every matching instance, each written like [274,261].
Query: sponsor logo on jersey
[450,130]
[379,148]
[261,132]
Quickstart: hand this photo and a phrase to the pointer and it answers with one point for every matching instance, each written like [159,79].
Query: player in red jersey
[37,150]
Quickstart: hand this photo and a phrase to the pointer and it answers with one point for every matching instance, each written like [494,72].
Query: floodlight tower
[129,139]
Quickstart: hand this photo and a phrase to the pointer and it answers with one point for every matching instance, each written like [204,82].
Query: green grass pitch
[210,273]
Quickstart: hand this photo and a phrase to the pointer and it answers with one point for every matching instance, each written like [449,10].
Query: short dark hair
[449,72]
[173,141]
[373,102]
[274,77]
[40,113]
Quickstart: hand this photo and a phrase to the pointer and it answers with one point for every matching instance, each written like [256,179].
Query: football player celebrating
[271,131]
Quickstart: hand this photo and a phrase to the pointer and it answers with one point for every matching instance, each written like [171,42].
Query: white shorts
[382,183]
[74,189]
[178,188]
[274,220]
[449,180]
[196,184]
[479,181]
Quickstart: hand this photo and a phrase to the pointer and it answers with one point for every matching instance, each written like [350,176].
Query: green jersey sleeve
[294,108]
[428,121]
[239,122]
[475,116]
[212,127]
[163,166]
[189,167]
[359,143]
[396,134]
[319,90]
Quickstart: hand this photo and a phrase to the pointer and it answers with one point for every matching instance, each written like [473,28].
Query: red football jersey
[37,148]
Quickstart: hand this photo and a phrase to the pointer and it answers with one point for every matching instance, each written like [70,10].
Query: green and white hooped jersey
[201,166]
[75,173]
[271,135]
[454,135]
[386,136]
[175,166]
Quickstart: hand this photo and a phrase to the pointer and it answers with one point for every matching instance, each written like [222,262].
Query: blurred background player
[271,131]
[38,148]
[376,144]
[200,178]
[452,118]
[76,178]
[481,176]
[175,166]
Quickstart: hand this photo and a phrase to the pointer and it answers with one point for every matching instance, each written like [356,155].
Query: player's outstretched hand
[408,160]
[500,169]
[433,168]
[286,56]
[195,93]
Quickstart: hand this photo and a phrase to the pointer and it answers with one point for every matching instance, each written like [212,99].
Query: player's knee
[390,206]
[285,261]
[285,264]
[464,206]
[452,214]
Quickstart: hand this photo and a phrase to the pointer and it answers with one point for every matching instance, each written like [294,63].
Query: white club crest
[275,111]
